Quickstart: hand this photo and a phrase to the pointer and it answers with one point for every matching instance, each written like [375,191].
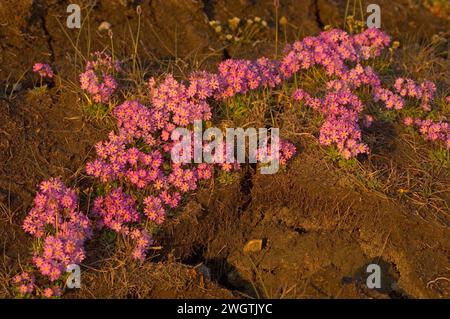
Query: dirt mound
[319,234]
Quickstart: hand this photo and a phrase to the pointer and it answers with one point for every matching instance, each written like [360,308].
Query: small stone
[253,245]
[105,25]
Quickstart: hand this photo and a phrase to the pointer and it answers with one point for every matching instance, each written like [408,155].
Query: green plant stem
[346,13]
[136,43]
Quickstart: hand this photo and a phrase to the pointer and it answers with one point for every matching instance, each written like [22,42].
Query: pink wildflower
[44,70]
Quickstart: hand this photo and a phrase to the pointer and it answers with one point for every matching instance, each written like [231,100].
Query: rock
[104,26]
[253,245]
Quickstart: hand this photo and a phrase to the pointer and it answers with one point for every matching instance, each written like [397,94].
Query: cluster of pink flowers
[342,108]
[331,49]
[286,151]
[120,161]
[138,154]
[432,131]
[136,121]
[117,211]
[390,99]
[142,242]
[44,70]
[55,217]
[98,77]
[424,91]
[341,111]
[242,76]
[184,179]
[370,43]
[346,134]
[132,165]
[25,283]
[173,104]
[50,292]
[154,209]
[235,77]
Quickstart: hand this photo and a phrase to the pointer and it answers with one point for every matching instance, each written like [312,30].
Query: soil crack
[39,13]
[209,8]
[316,11]
[246,186]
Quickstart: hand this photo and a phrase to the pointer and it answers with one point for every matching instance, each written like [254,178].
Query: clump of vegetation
[237,31]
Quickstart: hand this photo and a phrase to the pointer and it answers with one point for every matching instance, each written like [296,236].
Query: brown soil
[321,226]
